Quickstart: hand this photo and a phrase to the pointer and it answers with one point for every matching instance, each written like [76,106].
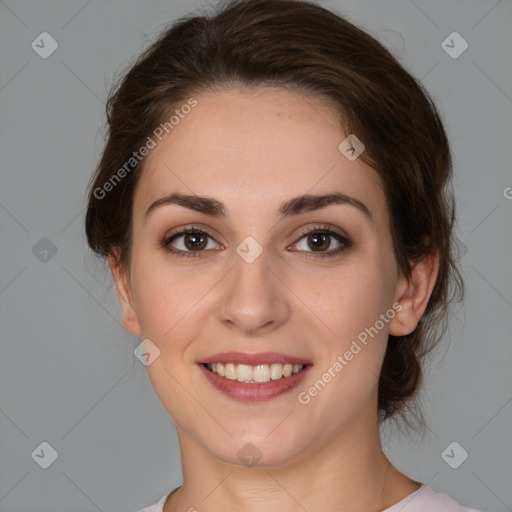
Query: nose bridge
[253,298]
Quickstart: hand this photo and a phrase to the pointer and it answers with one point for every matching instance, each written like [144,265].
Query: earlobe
[413,295]
[124,295]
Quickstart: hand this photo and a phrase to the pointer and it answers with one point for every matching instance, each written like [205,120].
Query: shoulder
[425,499]
[157,507]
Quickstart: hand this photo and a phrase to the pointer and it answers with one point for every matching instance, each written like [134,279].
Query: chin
[259,449]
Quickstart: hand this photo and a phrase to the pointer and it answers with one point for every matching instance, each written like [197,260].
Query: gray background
[68,375]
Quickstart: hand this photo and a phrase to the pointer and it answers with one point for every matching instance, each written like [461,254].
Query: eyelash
[319,229]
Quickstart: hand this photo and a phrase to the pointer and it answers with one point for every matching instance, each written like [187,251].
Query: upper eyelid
[188,229]
[328,228]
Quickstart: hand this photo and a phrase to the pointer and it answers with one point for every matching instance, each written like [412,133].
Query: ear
[413,295]
[125,296]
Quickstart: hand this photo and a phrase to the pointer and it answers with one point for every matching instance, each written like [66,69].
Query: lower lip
[254,392]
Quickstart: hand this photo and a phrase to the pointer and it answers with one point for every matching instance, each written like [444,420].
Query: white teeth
[230,371]
[276,371]
[255,374]
[296,368]
[243,372]
[261,373]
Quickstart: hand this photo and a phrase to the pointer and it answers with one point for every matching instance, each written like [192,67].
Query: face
[275,281]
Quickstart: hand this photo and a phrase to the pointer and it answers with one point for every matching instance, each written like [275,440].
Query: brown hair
[297,44]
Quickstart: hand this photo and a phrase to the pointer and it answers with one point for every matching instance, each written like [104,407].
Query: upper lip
[254,359]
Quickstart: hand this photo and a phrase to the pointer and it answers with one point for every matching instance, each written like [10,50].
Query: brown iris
[195,241]
[320,241]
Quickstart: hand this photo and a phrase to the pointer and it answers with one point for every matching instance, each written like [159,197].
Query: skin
[252,150]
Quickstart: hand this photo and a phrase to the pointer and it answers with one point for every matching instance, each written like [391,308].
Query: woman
[273,203]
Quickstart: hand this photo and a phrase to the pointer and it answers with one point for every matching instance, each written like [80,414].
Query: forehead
[256,146]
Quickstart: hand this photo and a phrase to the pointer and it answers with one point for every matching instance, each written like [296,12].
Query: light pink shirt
[423,500]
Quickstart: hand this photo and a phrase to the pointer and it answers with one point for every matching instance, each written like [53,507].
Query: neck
[349,473]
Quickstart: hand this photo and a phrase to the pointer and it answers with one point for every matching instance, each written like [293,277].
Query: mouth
[254,377]
[254,374]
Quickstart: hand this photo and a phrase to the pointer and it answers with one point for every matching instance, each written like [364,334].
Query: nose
[256,299]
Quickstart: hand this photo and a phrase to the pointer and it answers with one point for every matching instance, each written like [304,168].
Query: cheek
[350,302]
[169,303]
[171,300]
[348,299]
[360,337]
[345,379]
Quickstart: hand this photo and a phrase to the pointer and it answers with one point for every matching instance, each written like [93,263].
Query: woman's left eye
[320,241]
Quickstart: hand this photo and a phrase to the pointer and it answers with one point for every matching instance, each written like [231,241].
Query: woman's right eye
[189,243]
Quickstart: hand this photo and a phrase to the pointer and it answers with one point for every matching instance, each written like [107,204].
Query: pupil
[194,241]
[322,239]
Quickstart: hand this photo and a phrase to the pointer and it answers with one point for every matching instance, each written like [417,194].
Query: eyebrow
[293,206]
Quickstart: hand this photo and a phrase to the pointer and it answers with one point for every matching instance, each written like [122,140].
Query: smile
[254,374]
[254,377]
